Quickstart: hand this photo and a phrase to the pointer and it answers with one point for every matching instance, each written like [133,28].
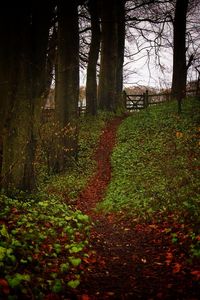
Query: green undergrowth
[43,238]
[69,184]
[155,165]
[42,244]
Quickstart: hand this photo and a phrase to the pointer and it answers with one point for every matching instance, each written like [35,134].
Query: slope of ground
[144,241]
[135,256]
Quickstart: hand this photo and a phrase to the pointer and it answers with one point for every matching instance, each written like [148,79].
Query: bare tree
[148,31]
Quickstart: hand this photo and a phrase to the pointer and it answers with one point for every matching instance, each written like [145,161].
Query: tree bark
[112,55]
[179,52]
[121,46]
[67,82]
[4,74]
[28,36]
[91,85]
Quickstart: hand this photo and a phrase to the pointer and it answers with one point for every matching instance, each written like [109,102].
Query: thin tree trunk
[179,54]
[91,85]
[121,46]
[67,82]
[112,47]
[198,85]
[108,64]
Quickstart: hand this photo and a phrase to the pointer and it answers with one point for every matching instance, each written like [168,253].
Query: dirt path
[129,261]
[97,185]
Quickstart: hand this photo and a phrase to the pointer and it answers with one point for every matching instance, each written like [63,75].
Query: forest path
[97,185]
[129,260]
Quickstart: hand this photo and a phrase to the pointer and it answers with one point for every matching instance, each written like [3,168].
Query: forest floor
[123,224]
[130,260]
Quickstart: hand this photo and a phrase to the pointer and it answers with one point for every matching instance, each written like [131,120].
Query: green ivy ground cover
[42,244]
[43,239]
[155,166]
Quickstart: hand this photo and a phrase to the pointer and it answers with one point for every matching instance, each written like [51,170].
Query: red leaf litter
[130,260]
[97,185]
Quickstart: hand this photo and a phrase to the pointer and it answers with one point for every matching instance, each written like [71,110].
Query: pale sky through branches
[144,70]
[148,52]
[145,73]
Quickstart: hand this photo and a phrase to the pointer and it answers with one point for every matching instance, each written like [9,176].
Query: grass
[155,165]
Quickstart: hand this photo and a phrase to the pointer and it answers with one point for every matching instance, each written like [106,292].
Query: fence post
[80,108]
[146,99]
[124,98]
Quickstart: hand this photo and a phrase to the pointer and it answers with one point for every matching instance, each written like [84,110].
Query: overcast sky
[145,72]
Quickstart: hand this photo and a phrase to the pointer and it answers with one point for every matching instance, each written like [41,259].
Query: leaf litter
[127,259]
[132,260]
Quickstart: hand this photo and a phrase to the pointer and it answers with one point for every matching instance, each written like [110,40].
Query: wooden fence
[138,102]
[49,113]
[132,102]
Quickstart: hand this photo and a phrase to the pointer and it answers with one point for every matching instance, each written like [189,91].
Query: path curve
[97,185]
[129,260]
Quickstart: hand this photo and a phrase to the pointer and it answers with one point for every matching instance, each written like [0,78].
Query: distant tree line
[40,40]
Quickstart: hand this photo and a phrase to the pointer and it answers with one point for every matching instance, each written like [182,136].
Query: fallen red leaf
[85,297]
[102,262]
[169,257]
[4,286]
[198,237]
[110,218]
[89,260]
[176,268]
[110,293]
[48,225]
[153,226]
[51,297]
[196,274]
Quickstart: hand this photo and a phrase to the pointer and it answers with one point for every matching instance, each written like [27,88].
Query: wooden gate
[138,102]
[135,102]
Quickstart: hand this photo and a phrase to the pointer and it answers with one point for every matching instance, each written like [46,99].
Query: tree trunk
[108,63]
[16,167]
[91,85]
[4,75]
[112,50]
[67,82]
[179,52]
[42,14]
[26,68]
[121,46]
[197,93]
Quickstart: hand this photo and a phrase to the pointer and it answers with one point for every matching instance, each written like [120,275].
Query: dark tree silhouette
[179,52]
[91,85]
[112,54]
[67,81]
[23,58]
